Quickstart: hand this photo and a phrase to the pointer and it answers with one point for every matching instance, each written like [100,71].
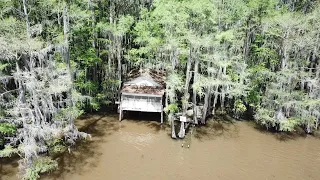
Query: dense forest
[257,59]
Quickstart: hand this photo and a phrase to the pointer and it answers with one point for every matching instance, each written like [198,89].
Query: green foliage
[288,125]
[172,108]
[265,118]
[225,36]
[8,151]
[40,165]
[174,85]
[3,66]
[68,113]
[12,26]
[7,129]
[89,86]
[125,22]
[238,108]
[123,26]
[56,146]
[233,75]
[88,57]
[259,53]
[5,7]
[254,97]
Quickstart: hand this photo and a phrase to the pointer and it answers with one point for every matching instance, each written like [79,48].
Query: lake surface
[143,150]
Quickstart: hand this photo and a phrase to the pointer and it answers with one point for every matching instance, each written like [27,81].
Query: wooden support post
[120,108]
[161,112]
[183,119]
[161,116]
[120,114]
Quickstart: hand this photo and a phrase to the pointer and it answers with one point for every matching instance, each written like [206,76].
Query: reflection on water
[143,150]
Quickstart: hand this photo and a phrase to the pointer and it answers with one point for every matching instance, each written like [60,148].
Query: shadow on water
[149,119]
[8,166]
[317,134]
[87,152]
[281,136]
[218,126]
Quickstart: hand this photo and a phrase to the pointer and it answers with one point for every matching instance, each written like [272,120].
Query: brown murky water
[143,150]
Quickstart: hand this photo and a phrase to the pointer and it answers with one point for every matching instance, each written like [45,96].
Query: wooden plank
[141,105]
[183,118]
[130,109]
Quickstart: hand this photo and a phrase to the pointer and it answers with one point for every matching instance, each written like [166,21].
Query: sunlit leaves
[6,7]
[124,24]
[225,36]
[88,58]
[285,89]
[7,129]
[41,165]
[8,151]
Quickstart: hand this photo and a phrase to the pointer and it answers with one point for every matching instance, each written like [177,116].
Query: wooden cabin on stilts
[143,92]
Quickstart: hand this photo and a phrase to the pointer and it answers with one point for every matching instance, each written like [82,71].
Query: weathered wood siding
[141,103]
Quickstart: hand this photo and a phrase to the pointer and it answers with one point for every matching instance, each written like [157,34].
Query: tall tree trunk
[215,99]
[209,95]
[26,16]
[112,11]
[205,106]
[194,98]
[186,94]
[187,84]
[94,37]
[315,58]
[22,86]
[247,41]
[66,50]
[93,23]
[318,71]
[284,51]
[66,35]
[119,48]
[173,131]
[171,115]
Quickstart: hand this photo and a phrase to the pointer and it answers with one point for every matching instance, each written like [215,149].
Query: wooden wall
[141,103]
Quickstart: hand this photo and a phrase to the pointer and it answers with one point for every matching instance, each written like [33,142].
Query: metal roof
[143,81]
